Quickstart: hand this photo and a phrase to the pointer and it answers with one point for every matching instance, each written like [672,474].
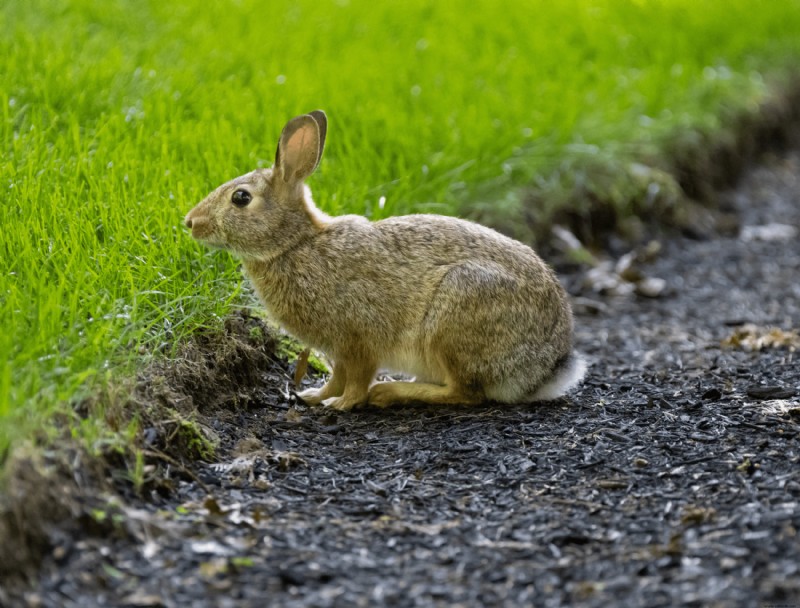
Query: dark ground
[672,477]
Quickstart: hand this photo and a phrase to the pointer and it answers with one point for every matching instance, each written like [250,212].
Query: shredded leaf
[754,338]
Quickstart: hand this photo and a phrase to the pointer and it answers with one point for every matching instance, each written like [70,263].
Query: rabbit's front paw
[311,396]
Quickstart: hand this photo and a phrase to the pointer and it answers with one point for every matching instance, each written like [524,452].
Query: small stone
[589,306]
[651,287]
[768,232]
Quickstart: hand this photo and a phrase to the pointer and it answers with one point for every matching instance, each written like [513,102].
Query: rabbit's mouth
[201,231]
[209,239]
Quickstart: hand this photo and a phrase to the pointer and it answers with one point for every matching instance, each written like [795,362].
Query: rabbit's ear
[299,149]
[322,123]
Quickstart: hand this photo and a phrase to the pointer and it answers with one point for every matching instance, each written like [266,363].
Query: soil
[671,477]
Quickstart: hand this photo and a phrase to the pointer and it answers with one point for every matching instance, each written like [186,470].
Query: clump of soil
[46,495]
[216,374]
[705,164]
[176,404]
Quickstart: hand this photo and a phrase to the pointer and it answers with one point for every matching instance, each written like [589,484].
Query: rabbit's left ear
[300,146]
[322,123]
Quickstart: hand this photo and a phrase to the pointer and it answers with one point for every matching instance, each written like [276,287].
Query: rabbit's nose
[188,221]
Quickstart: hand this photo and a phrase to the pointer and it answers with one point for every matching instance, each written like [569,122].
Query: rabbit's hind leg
[384,394]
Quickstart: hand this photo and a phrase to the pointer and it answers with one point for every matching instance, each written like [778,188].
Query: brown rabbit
[474,315]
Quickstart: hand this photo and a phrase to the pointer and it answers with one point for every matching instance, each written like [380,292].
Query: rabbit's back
[447,240]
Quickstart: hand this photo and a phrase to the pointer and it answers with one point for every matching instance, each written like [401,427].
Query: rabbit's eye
[241,198]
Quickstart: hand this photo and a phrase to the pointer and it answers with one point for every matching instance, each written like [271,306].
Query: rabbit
[471,314]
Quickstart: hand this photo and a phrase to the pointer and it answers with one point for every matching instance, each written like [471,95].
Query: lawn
[118,116]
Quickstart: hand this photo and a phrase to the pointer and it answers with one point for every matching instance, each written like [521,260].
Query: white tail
[567,377]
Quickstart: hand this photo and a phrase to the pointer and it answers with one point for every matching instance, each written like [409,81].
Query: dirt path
[671,477]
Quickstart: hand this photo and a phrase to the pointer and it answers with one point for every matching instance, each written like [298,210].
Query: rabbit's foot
[380,395]
[384,394]
[343,403]
[312,396]
[332,388]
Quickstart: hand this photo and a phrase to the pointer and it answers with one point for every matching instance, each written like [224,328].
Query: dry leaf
[753,337]
[215,567]
[212,506]
[302,367]
[698,515]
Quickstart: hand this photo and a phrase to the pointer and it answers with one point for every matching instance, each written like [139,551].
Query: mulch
[672,477]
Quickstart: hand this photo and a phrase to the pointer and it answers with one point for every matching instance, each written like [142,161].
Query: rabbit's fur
[474,315]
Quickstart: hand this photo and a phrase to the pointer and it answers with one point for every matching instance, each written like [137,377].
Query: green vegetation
[117,116]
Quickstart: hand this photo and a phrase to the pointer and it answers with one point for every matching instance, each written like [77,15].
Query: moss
[289,349]
[195,444]
[256,334]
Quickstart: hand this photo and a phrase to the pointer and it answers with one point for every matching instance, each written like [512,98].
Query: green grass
[117,116]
